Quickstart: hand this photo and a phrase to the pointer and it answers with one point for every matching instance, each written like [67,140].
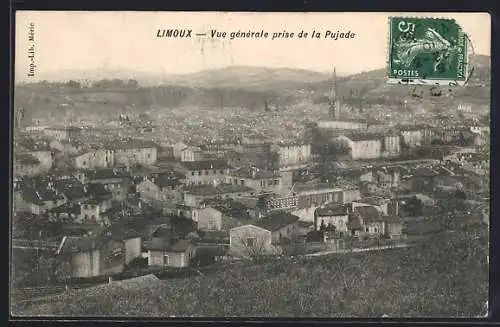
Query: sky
[89,41]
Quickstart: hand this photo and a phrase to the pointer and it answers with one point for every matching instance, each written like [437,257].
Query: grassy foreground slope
[445,276]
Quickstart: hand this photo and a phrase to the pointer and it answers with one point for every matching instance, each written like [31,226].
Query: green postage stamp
[427,51]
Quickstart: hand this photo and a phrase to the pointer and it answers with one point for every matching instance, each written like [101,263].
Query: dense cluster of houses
[243,195]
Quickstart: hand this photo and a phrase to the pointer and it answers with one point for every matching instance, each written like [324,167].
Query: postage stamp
[427,51]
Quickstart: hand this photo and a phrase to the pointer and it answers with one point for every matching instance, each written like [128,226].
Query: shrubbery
[447,275]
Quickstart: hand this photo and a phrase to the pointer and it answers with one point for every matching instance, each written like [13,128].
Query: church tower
[334,100]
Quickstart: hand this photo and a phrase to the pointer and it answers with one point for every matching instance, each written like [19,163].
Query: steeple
[334,99]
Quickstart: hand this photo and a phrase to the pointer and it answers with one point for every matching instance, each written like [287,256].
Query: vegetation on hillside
[447,275]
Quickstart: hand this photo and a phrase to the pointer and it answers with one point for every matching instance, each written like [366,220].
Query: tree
[73,84]
[132,83]
[254,246]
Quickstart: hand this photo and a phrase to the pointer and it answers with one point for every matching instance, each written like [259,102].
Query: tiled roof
[219,189]
[309,187]
[364,137]
[205,165]
[108,173]
[98,190]
[159,244]
[71,188]
[354,223]
[71,244]
[166,180]
[130,144]
[425,172]
[27,159]
[368,213]
[40,195]
[339,210]
[255,173]
[95,201]
[276,221]
[373,200]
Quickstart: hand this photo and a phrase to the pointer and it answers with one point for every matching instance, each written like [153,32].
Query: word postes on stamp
[427,51]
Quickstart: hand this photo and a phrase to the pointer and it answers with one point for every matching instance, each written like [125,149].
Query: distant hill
[245,87]
[372,85]
[250,78]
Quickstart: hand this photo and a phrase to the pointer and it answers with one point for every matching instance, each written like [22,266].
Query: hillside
[249,78]
[445,277]
[372,85]
[243,87]
[53,100]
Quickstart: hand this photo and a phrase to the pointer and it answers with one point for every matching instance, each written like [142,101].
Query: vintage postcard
[231,164]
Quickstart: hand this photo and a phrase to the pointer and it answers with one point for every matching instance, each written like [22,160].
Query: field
[446,275]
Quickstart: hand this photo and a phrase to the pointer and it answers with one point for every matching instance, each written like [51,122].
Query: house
[380,203]
[177,149]
[94,159]
[65,146]
[360,146]
[412,136]
[63,133]
[105,252]
[159,188]
[282,225]
[27,165]
[368,221]
[72,190]
[37,199]
[424,179]
[194,195]
[391,145]
[259,179]
[164,254]
[92,209]
[117,181]
[293,154]
[39,150]
[332,217]
[132,152]
[251,241]
[165,152]
[204,172]
[222,215]
[192,153]
[387,177]
[68,211]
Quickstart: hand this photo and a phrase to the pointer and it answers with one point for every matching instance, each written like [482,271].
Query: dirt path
[378,248]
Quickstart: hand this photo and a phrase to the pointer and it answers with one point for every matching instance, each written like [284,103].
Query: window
[84,163]
[221,171]
[206,172]
[376,230]
[199,173]
[165,259]
[250,242]
[149,155]
[85,206]
[367,229]
[214,172]
[192,173]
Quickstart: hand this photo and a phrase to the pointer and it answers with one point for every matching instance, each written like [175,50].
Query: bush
[431,279]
